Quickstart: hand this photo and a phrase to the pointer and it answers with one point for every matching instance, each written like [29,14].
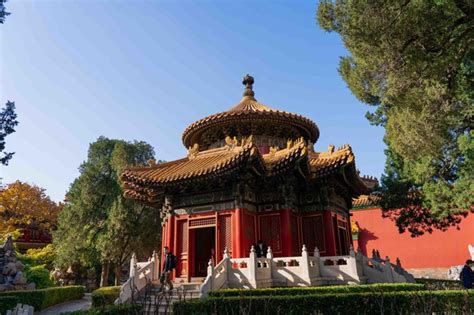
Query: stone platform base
[431,273]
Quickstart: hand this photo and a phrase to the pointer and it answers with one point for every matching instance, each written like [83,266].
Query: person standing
[467,274]
[168,266]
[261,249]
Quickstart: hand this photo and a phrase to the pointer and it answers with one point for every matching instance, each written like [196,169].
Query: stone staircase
[155,301]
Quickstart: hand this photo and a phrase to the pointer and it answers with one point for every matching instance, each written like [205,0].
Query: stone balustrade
[141,273]
[253,272]
[304,270]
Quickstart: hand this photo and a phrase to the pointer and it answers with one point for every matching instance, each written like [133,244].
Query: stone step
[154,301]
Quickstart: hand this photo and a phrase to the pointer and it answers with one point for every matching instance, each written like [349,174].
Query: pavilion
[251,173]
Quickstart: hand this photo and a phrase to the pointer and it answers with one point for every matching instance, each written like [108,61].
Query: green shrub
[42,256]
[122,309]
[440,284]
[38,256]
[39,275]
[43,298]
[7,303]
[105,296]
[382,287]
[403,302]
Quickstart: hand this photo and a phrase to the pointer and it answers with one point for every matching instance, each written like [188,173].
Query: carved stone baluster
[133,265]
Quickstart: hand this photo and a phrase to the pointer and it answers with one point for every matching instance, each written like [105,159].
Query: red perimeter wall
[436,250]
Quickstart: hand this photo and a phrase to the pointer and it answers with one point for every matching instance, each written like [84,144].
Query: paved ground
[70,306]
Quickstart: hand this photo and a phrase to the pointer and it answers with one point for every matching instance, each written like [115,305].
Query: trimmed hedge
[43,298]
[7,303]
[440,284]
[403,302]
[105,296]
[122,309]
[383,287]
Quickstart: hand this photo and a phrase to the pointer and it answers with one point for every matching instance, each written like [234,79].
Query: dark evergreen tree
[98,225]
[3,12]
[413,61]
[8,122]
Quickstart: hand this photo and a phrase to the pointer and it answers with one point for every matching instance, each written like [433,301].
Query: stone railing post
[270,263]
[317,266]
[269,253]
[351,251]
[252,267]
[305,273]
[226,253]
[228,263]
[156,266]
[210,273]
[388,269]
[133,265]
[316,253]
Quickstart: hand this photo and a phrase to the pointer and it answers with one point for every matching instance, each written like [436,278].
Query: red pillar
[170,234]
[164,241]
[287,244]
[236,232]
[329,234]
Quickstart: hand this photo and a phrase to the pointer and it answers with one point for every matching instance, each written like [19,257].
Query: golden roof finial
[248,82]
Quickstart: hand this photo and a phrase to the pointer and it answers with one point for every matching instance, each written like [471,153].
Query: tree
[7,115]
[3,12]
[7,126]
[23,205]
[98,225]
[413,61]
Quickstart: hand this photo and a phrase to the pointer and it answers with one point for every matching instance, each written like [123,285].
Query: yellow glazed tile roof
[325,163]
[249,109]
[214,162]
[210,162]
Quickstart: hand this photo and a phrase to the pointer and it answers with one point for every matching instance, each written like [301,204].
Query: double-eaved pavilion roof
[204,163]
[142,182]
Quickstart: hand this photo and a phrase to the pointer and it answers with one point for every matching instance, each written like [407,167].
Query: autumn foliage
[23,205]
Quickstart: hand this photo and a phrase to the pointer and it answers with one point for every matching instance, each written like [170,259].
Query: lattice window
[313,233]
[270,231]
[183,236]
[225,233]
[202,222]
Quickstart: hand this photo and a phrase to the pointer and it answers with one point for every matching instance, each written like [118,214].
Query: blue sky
[145,70]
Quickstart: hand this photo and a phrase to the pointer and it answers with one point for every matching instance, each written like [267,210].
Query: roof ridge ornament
[248,82]
[231,142]
[247,140]
[193,151]
[331,148]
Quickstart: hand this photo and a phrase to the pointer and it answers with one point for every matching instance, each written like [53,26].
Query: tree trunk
[104,275]
[118,274]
